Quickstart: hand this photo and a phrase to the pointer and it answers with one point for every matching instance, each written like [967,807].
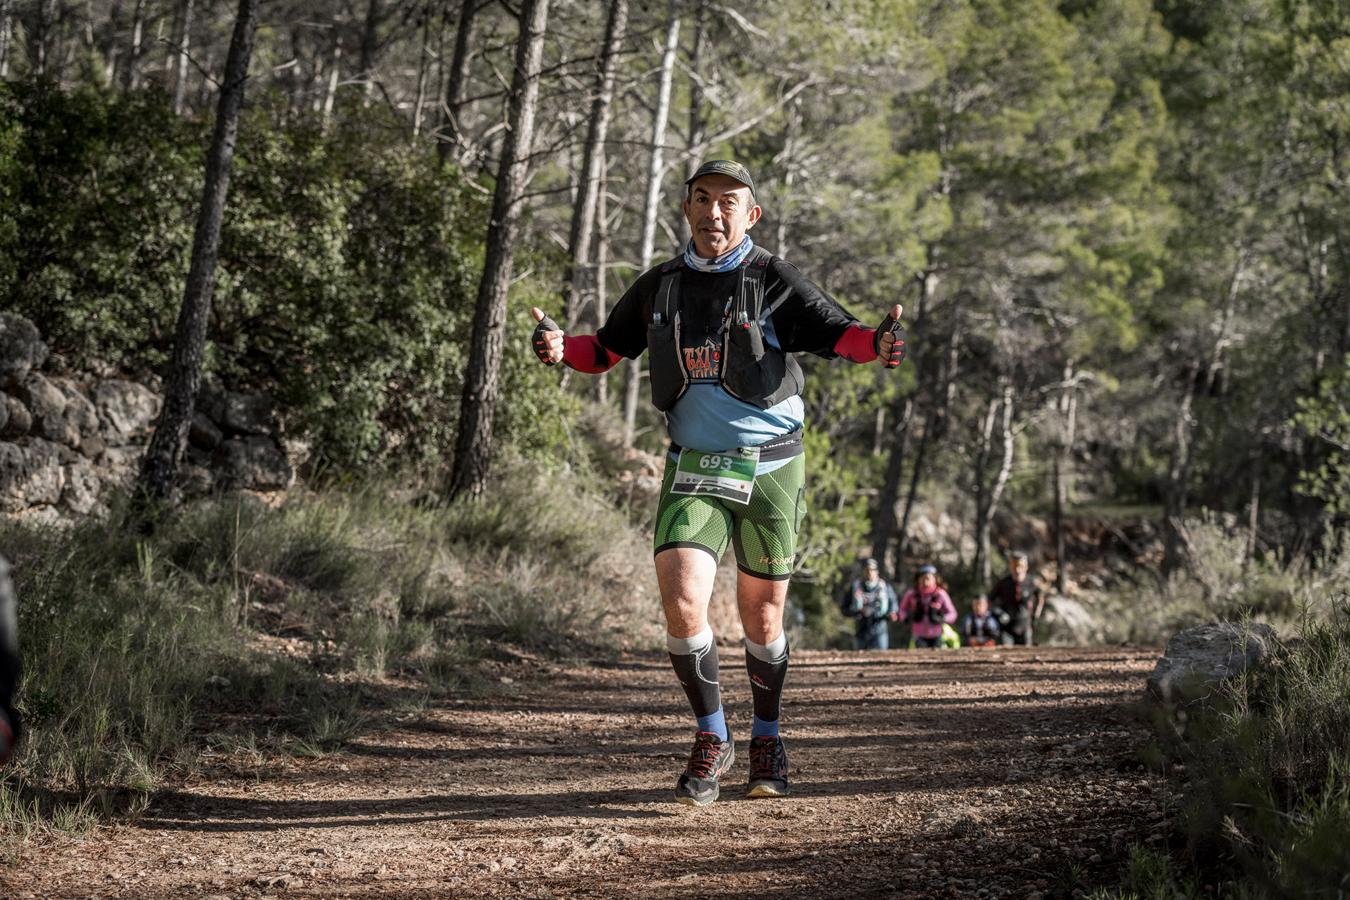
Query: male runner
[1020,598]
[719,323]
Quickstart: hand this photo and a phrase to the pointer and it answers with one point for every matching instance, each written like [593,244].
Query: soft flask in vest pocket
[668,382]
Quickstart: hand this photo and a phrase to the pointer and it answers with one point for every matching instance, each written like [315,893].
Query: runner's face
[980,607]
[720,211]
[927,582]
[1018,569]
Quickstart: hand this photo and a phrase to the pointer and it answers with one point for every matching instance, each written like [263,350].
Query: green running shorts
[763,532]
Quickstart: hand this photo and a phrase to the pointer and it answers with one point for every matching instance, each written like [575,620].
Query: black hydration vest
[752,370]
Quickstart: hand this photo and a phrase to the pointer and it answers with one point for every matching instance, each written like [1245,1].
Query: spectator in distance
[980,628]
[927,607]
[1019,599]
[870,600]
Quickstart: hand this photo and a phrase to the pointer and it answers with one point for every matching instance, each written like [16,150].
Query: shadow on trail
[187,811]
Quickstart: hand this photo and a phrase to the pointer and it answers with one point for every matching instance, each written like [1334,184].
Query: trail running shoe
[768,768]
[708,761]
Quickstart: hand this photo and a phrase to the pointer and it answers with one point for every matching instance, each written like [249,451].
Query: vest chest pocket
[668,383]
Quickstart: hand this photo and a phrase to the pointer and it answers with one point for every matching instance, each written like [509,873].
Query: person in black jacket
[720,324]
[1019,600]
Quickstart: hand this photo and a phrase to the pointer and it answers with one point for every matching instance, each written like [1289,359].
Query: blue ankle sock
[761,728]
[714,722]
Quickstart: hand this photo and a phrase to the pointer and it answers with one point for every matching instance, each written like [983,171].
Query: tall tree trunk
[698,123]
[108,46]
[181,59]
[334,76]
[1067,406]
[131,75]
[884,520]
[791,129]
[451,136]
[473,443]
[698,126]
[579,280]
[6,30]
[633,374]
[160,462]
[37,28]
[370,45]
[602,264]
[423,66]
[1179,473]
[1253,514]
[987,499]
[934,427]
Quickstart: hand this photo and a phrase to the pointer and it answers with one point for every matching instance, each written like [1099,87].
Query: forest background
[1119,231]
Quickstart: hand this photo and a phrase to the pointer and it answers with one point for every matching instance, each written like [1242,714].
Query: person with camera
[926,607]
[870,600]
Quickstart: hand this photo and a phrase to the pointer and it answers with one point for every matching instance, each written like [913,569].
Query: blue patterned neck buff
[724,263]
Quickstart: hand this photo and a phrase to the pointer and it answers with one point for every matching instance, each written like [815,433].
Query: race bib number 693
[727,474]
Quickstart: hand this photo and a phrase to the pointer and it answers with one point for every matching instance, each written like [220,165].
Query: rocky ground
[916,774]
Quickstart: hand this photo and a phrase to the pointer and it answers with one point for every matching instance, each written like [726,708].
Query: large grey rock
[126,410]
[203,432]
[18,420]
[12,463]
[48,405]
[1067,622]
[1200,658]
[30,475]
[21,349]
[80,493]
[253,463]
[120,465]
[79,411]
[211,401]
[247,414]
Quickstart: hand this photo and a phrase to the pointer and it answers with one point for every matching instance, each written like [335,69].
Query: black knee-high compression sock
[695,662]
[767,665]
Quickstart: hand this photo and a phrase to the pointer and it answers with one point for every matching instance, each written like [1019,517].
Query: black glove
[541,345]
[890,326]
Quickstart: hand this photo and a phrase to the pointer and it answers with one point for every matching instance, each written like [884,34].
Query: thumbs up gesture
[890,338]
[548,338]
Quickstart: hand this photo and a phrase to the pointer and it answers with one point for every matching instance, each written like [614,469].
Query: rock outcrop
[1200,658]
[68,442]
[1067,622]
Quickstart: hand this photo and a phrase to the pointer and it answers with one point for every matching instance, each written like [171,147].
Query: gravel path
[915,774]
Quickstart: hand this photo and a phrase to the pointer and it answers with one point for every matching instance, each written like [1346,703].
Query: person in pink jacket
[926,606]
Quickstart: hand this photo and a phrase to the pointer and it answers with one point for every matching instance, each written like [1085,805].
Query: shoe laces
[764,757]
[707,749]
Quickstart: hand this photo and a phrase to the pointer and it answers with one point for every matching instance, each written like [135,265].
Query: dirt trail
[924,774]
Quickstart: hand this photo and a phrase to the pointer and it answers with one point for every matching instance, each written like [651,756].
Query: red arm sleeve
[857,344]
[586,354]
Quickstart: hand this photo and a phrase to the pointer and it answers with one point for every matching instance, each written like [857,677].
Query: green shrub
[1267,799]
[346,279]
[229,627]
